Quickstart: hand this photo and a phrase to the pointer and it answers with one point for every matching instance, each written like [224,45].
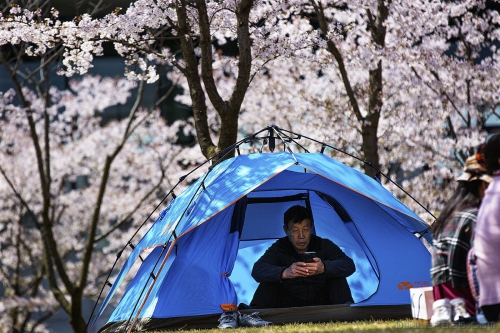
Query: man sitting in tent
[287,278]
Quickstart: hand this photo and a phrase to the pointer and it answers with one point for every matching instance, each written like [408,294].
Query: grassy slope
[360,326]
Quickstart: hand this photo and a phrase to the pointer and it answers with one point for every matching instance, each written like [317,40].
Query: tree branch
[207,58]
[127,217]
[332,48]
[52,258]
[19,196]
[244,55]
[207,146]
[440,93]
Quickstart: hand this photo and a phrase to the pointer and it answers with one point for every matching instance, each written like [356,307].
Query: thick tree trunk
[228,132]
[227,110]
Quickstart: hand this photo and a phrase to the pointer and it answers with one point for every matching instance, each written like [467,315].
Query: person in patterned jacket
[453,233]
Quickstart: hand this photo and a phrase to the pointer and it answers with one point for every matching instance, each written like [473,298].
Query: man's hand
[303,269]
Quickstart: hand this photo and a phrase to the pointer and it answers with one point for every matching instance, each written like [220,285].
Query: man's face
[299,234]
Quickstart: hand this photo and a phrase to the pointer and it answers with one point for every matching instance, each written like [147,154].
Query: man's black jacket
[282,254]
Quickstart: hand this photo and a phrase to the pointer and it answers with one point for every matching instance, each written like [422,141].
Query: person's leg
[438,292]
[491,312]
[339,291]
[266,295]
[273,295]
[446,290]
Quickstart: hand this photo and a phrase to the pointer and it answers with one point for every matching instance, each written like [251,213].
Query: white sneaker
[442,312]
[459,309]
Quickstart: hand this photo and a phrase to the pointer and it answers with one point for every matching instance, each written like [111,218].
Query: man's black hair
[492,153]
[296,214]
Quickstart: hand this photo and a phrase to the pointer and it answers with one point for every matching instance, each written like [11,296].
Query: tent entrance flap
[264,225]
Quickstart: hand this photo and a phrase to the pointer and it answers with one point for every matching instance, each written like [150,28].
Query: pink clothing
[487,245]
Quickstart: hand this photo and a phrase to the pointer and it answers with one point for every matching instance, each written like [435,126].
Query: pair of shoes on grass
[446,312]
[233,319]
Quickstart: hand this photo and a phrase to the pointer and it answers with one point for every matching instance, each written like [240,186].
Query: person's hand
[316,267]
[302,269]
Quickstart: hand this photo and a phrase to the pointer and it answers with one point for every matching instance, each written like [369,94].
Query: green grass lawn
[357,326]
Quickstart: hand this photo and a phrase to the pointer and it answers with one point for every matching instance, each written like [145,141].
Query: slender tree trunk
[369,123]
[76,320]
[190,70]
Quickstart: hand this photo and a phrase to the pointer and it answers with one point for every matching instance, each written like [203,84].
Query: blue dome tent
[204,243]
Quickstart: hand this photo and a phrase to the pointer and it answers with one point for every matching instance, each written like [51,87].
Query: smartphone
[308,256]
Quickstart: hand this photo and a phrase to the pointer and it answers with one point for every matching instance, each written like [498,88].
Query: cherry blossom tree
[387,77]
[404,86]
[401,85]
[392,69]
[180,33]
[73,192]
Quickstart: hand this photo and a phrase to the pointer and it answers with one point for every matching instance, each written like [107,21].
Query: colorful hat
[481,159]
[473,171]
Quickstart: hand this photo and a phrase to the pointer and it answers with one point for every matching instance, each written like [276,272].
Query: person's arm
[337,263]
[267,268]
